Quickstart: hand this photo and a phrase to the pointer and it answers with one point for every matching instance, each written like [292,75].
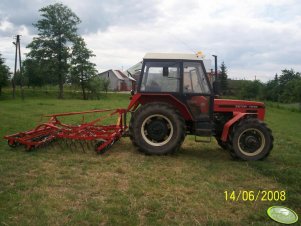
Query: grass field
[53,186]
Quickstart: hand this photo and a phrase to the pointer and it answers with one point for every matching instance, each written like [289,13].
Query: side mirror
[216,88]
[132,94]
[165,71]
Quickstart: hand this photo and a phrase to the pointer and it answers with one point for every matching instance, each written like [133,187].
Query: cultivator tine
[89,144]
[60,143]
[52,144]
[67,144]
[86,144]
[82,146]
[76,144]
[63,143]
[72,145]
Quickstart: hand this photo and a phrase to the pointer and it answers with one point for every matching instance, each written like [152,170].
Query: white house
[118,80]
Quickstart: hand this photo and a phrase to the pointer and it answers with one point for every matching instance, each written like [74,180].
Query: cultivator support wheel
[83,134]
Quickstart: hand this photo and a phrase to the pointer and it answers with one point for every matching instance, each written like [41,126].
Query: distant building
[118,80]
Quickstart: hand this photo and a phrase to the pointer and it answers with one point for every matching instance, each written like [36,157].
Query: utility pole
[17,52]
[13,79]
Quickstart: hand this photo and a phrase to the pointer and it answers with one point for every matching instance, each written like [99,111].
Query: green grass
[54,186]
[292,107]
[47,92]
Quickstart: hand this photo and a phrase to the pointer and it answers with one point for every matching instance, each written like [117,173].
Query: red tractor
[174,98]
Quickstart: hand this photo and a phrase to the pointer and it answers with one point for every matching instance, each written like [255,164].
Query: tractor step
[208,140]
[203,129]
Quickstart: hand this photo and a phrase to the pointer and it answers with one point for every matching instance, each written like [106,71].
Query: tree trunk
[61,86]
[60,75]
[14,87]
[84,91]
[83,86]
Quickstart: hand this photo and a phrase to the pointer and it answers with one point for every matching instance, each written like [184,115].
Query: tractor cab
[183,78]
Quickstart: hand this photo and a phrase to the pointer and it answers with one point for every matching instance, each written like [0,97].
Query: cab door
[197,91]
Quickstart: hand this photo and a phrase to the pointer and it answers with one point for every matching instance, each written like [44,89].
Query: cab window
[194,79]
[161,77]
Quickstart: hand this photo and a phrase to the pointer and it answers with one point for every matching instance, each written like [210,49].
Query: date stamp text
[253,196]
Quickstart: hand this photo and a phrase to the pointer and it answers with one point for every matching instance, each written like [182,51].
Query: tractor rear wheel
[131,129]
[251,139]
[157,128]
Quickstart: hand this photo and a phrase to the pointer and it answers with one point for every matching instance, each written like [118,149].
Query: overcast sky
[252,37]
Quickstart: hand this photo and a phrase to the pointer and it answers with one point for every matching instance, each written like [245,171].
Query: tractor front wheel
[157,128]
[251,140]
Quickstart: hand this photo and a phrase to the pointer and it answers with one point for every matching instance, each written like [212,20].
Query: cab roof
[172,56]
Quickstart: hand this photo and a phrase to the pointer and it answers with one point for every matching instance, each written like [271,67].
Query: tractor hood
[224,103]
[253,107]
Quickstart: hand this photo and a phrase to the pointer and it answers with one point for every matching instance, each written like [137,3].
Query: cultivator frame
[54,129]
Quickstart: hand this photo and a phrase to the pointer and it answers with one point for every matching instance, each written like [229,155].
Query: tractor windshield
[161,77]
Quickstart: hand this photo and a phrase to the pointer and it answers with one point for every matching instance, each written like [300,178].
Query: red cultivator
[54,129]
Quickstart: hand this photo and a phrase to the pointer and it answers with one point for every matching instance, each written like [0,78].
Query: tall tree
[82,69]
[56,30]
[288,75]
[4,73]
[223,78]
[32,72]
[276,78]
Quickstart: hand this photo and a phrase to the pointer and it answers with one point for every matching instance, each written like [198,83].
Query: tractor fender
[237,116]
[145,98]
[134,102]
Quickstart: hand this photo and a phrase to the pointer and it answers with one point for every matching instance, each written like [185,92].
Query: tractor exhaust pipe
[215,67]
[216,83]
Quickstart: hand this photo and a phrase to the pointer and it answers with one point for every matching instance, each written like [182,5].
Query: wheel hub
[251,141]
[157,130]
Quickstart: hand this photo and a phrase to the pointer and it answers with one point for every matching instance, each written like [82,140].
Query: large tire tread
[243,123]
[131,130]
[134,128]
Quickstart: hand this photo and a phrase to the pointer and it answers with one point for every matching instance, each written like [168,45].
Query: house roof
[119,74]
